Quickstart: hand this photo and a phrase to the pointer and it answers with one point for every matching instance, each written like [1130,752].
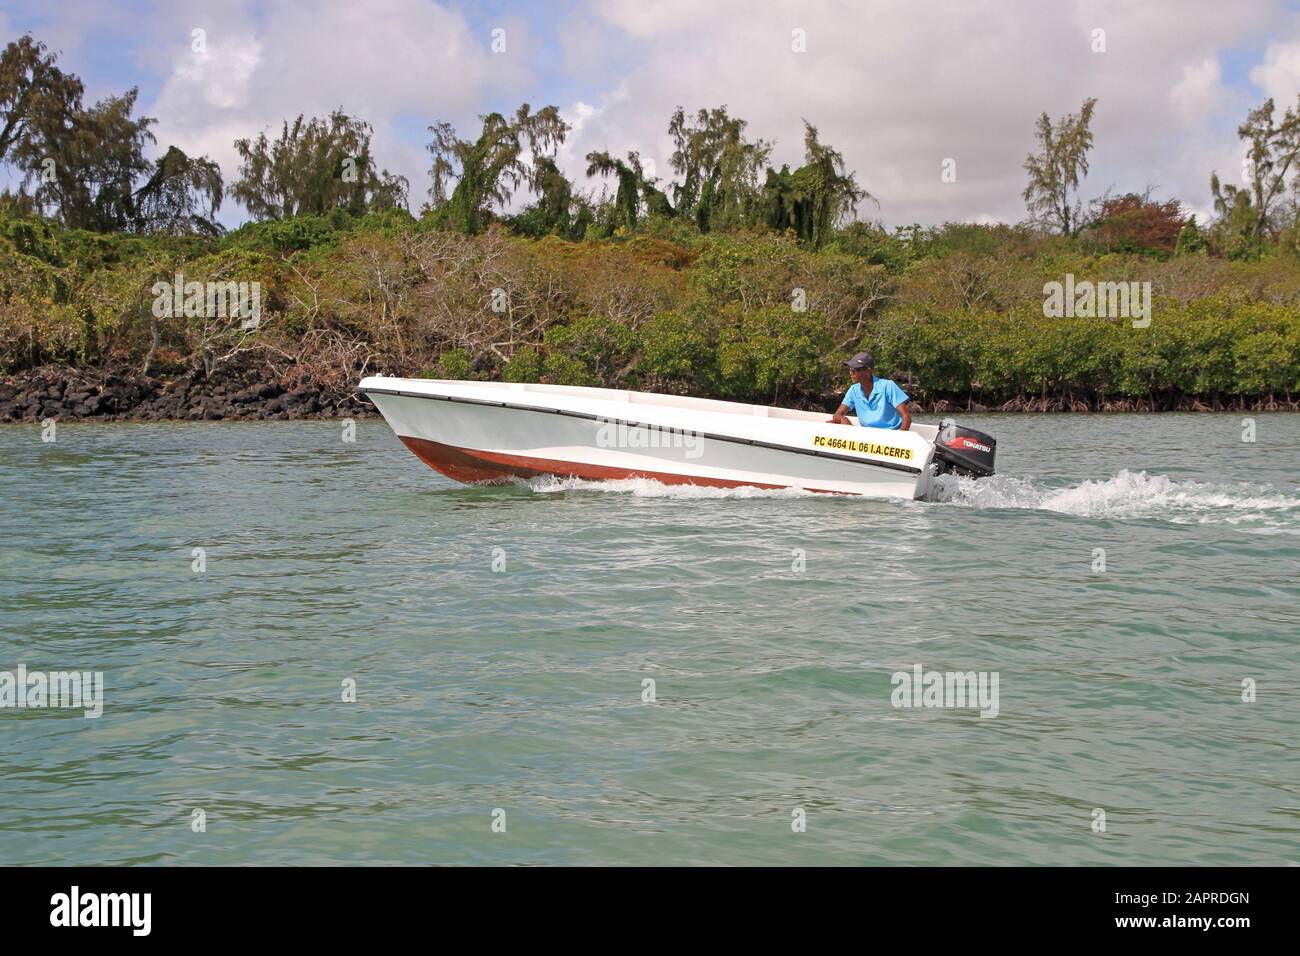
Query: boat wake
[1137,494]
[1127,495]
[649,488]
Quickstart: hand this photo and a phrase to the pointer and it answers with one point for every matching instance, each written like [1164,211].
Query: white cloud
[389,62]
[219,75]
[897,88]
[1279,75]
[1200,92]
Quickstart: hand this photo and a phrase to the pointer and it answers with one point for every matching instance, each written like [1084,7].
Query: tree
[314,167]
[554,195]
[1234,229]
[487,171]
[718,168]
[1055,170]
[814,198]
[84,165]
[1273,156]
[183,195]
[31,86]
[1136,223]
[1191,241]
[559,210]
[633,189]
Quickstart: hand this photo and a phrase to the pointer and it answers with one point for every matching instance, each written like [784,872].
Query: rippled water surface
[522,688]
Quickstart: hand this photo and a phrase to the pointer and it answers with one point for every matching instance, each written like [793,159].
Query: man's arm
[838,418]
[907,416]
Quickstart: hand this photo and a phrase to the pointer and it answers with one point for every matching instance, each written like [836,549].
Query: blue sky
[897,86]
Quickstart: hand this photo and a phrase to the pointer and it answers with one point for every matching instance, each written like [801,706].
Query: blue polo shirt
[880,408]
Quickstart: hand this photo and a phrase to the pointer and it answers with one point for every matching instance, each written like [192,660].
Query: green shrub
[594,348]
[954,312]
[679,352]
[561,369]
[524,366]
[769,353]
[455,364]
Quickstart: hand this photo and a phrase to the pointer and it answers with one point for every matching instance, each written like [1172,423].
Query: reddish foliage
[1134,223]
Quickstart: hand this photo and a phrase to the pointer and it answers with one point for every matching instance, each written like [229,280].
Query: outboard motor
[964,451]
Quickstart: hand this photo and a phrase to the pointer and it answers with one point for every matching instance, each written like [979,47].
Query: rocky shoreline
[247,393]
[261,392]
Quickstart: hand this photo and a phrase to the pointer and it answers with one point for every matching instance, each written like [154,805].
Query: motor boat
[496,431]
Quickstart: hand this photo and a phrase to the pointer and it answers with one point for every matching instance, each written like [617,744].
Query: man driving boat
[877,402]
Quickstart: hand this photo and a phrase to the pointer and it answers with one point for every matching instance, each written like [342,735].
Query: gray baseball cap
[861,360]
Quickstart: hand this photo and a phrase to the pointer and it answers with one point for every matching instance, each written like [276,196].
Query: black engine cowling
[964,451]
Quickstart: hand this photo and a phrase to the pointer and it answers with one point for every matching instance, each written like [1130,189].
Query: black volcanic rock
[253,391]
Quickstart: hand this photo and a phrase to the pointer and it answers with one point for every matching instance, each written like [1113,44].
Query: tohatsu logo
[103,909]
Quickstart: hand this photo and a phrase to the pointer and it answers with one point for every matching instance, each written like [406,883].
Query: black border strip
[603,418]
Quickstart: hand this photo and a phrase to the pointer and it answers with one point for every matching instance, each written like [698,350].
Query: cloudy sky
[898,86]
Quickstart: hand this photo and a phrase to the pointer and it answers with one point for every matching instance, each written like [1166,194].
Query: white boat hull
[493,431]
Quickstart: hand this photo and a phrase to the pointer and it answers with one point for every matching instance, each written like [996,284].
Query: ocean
[315,651]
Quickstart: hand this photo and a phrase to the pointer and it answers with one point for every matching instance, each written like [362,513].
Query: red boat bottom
[472,466]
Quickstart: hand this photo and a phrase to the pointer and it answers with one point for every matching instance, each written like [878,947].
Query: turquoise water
[521,689]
